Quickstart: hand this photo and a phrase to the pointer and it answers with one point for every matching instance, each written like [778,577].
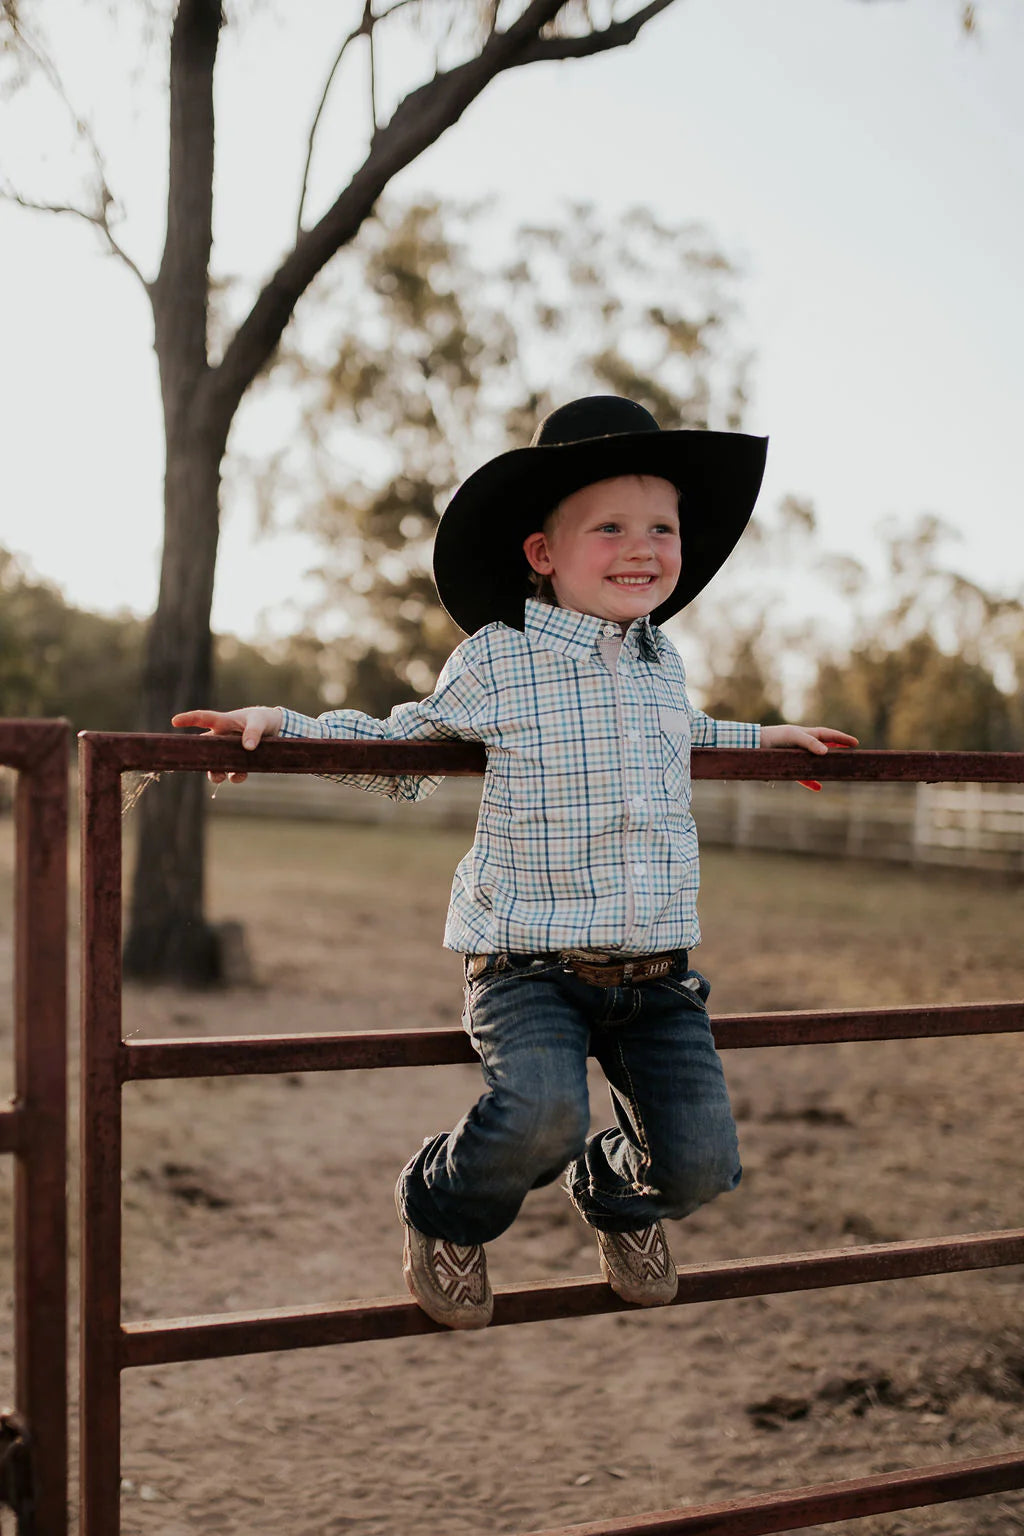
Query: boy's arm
[452,712]
[705,732]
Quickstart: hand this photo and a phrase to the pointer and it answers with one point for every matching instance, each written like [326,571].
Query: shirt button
[609,629]
[632,735]
[638,802]
[640,871]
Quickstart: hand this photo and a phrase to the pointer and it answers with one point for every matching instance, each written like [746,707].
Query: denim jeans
[673,1145]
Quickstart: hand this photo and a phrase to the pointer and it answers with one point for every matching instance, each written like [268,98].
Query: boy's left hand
[813,738]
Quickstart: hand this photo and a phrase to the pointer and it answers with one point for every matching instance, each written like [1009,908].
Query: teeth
[632,581]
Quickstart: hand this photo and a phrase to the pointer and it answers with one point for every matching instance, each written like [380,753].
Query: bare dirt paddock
[275,1191]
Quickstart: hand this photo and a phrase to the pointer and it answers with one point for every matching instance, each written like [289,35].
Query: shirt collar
[577,634]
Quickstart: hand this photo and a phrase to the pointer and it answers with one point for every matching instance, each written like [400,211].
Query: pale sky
[863,163]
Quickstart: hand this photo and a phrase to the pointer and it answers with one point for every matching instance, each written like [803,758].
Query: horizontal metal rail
[159,753]
[242,1055]
[111,1346]
[156,1342]
[794,1509]
[34,1127]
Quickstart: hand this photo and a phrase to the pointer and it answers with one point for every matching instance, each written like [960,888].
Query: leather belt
[599,969]
[622,973]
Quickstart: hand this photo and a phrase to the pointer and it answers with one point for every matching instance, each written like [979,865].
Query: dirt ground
[275,1191]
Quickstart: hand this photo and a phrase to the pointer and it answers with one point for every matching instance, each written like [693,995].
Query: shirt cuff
[737,733]
[295,725]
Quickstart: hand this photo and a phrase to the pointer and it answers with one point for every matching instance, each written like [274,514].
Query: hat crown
[593,416]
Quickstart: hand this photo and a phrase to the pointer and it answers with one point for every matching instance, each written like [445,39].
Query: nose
[641,547]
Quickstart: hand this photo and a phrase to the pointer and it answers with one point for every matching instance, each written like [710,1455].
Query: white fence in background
[962,825]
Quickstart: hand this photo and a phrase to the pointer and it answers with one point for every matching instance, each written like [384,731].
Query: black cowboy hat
[480,570]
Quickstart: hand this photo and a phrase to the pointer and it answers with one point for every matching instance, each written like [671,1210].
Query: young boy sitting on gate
[575,908]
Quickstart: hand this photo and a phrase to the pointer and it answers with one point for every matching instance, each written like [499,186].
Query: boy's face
[612,549]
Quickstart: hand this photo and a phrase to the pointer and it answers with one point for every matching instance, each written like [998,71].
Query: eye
[608,528]
[666,528]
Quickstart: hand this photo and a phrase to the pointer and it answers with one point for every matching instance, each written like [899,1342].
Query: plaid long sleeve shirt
[585,838]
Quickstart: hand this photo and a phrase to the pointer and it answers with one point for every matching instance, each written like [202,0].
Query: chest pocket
[675,752]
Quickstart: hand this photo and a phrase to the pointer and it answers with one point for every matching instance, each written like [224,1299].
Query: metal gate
[33,1126]
[110,1346]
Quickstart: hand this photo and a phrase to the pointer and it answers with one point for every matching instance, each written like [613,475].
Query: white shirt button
[638,802]
[609,629]
[640,871]
[632,735]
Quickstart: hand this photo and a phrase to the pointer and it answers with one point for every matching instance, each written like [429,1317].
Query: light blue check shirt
[585,838]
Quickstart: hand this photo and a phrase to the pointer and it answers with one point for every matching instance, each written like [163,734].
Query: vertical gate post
[100,1449]
[37,1120]
[40,1195]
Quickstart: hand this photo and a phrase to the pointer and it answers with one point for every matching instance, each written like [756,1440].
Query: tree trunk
[169,938]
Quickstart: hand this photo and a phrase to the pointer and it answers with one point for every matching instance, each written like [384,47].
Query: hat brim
[480,570]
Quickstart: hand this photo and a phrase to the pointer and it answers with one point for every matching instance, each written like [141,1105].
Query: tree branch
[364,29]
[83,131]
[419,120]
[98,220]
[43,62]
[618,35]
[359,31]
[374,124]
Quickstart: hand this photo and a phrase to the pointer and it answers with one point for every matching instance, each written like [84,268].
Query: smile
[632,581]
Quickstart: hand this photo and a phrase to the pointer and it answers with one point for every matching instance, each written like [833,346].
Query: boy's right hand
[252,724]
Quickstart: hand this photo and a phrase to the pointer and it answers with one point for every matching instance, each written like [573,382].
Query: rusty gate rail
[110,1345]
[33,1127]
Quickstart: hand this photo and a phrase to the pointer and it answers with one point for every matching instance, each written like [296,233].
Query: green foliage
[742,683]
[59,660]
[56,659]
[921,672]
[916,696]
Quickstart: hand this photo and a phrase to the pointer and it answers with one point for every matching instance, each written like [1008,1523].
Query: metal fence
[111,1345]
[33,1127]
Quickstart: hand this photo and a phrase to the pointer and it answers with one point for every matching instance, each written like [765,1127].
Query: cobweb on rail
[134,784]
[133,787]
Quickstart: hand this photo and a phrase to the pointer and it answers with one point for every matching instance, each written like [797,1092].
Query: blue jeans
[673,1146]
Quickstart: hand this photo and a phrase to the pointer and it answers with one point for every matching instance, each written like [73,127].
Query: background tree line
[891,682]
[440,338]
[56,659]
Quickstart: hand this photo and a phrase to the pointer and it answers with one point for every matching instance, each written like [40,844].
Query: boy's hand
[252,724]
[813,738]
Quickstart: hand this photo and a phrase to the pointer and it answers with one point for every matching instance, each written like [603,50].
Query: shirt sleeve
[453,712]
[705,732]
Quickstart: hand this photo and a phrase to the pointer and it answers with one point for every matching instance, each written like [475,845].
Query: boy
[575,907]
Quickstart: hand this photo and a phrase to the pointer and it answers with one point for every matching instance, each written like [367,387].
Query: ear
[535,548]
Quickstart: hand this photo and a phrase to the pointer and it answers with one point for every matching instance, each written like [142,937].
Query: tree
[439,340]
[922,671]
[168,935]
[916,697]
[56,659]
